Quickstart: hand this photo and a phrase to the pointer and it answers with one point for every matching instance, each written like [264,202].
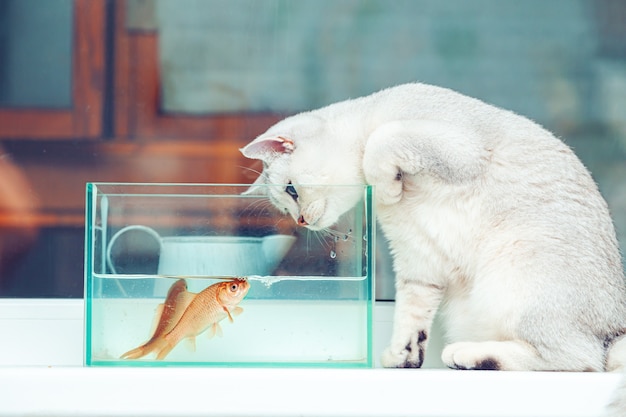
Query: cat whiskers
[336,234]
[263,207]
[256,208]
[328,238]
[251,170]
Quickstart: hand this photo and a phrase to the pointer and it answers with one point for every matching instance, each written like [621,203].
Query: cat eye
[291,191]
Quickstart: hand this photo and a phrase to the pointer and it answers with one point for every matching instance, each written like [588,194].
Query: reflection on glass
[534,58]
[36,53]
[561,63]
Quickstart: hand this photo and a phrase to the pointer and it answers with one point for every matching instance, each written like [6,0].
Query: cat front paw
[382,171]
[404,358]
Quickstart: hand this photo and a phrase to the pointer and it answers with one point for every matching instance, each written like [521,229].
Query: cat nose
[302,222]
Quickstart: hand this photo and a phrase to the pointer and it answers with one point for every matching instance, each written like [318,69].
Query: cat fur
[491,220]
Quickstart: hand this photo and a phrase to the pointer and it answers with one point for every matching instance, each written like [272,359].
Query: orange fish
[167,316]
[205,311]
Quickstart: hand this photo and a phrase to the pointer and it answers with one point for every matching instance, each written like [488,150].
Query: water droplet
[345,237]
[336,238]
[365,237]
[333,254]
[349,231]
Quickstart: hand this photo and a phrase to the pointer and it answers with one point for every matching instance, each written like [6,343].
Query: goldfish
[168,314]
[204,312]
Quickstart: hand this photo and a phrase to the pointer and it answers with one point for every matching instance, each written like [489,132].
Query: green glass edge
[90,192]
[158,364]
[371,269]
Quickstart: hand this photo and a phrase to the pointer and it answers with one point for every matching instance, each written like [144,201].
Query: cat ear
[267,148]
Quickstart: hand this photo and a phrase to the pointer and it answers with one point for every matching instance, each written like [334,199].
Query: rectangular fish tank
[209,275]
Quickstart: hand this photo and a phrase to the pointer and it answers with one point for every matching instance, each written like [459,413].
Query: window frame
[137,96]
[85,118]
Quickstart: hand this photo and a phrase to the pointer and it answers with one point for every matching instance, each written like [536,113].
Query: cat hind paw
[468,355]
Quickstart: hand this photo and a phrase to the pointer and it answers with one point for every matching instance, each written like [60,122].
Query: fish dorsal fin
[186,298]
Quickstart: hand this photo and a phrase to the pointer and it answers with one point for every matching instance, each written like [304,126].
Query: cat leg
[408,147]
[415,307]
[511,355]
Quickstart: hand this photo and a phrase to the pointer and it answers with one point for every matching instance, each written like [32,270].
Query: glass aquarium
[208,275]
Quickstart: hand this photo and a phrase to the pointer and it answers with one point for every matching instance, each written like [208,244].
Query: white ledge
[72,391]
[41,375]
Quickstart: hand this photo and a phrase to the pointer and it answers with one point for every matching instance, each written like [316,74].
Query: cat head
[304,165]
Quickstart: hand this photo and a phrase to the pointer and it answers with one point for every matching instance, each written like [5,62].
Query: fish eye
[234,286]
[290,189]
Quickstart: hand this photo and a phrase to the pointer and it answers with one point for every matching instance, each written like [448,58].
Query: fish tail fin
[136,353]
[153,345]
[164,349]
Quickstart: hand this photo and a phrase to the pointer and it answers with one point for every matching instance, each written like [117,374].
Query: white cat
[491,220]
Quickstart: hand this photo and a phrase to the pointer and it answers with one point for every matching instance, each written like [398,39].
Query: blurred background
[168,90]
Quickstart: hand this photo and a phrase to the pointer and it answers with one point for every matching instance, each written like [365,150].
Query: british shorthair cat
[491,220]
